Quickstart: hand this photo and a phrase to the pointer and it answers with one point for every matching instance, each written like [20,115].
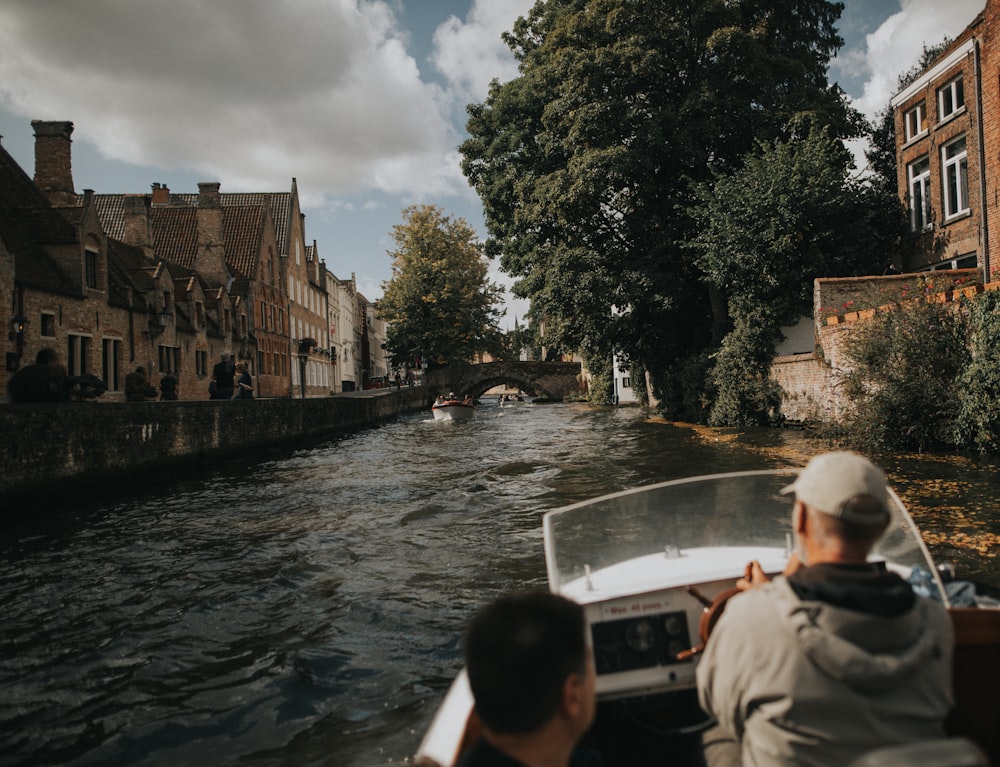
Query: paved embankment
[65,444]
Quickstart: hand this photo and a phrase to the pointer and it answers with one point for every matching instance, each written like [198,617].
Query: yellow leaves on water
[983,543]
[960,527]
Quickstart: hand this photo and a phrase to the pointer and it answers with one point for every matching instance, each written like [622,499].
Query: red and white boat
[453,409]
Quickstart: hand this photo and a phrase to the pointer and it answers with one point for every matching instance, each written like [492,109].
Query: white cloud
[471,53]
[246,91]
[898,43]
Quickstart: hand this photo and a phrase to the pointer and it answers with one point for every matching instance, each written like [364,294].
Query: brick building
[60,275]
[948,152]
[164,281]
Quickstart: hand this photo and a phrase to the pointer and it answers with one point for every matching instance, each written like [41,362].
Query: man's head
[528,661]
[846,496]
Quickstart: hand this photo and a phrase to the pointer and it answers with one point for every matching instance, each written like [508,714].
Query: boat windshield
[742,510]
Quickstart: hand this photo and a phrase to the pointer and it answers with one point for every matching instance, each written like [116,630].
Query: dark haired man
[532,677]
[837,658]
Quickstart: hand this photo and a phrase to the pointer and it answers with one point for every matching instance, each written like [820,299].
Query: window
[199,312]
[919,174]
[626,382]
[951,98]
[78,355]
[169,357]
[916,121]
[90,257]
[111,354]
[201,362]
[956,178]
[48,329]
[166,301]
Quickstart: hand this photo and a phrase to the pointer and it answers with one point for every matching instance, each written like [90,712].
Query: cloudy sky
[362,101]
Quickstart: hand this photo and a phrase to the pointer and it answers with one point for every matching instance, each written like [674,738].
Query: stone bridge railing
[552,380]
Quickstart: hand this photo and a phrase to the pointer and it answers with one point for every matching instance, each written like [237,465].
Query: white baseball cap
[830,480]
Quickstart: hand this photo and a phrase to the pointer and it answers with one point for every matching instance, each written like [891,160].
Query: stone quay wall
[63,445]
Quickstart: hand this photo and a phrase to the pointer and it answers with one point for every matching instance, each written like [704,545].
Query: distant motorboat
[453,410]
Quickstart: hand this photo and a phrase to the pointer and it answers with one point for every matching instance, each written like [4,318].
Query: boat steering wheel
[709,617]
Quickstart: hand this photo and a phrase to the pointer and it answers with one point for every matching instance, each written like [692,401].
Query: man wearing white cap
[838,656]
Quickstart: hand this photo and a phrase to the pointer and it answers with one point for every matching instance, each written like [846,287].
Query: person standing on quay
[222,379]
[168,387]
[244,383]
[42,381]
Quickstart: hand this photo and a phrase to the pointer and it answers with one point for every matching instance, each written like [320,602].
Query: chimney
[53,161]
[161,194]
[138,225]
[210,262]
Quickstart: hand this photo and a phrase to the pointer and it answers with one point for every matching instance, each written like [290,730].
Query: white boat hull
[453,410]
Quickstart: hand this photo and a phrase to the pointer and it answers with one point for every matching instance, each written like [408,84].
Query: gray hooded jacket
[805,683]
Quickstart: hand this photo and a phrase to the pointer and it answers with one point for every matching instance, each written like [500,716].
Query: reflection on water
[308,608]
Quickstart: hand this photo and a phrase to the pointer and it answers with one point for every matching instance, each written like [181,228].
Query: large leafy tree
[439,304]
[586,161]
[792,212]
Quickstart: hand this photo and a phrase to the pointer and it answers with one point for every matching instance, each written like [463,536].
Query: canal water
[306,608]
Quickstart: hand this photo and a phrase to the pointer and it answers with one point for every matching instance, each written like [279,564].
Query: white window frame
[920,193]
[955,178]
[916,121]
[951,98]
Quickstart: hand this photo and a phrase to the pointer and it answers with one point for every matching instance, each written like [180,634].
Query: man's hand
[753,577]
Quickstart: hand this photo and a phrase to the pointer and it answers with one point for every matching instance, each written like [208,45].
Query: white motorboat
[653,567]
[453,410]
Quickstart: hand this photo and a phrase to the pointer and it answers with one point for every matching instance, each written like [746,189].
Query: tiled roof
[128,268]
[27,222]
[111,212]
[175,235]
[280,202]
[243,229]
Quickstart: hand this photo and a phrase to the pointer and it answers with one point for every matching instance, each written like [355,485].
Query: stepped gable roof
[175,235]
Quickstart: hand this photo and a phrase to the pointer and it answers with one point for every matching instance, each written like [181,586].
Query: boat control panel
[637,640]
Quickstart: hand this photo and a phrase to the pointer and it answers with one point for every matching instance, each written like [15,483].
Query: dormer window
[951,98]
[90,264]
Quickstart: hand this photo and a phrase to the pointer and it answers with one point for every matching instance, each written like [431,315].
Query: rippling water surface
[306,609]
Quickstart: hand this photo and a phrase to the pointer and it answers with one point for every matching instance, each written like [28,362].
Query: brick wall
[69,442]
[809,382]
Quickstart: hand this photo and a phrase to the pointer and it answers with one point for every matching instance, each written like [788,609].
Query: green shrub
[903,370]
[978,395]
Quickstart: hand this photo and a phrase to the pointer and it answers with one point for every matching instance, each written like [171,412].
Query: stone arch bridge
[551,380]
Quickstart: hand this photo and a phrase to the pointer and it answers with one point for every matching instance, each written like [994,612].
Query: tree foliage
[792,212]
[587,162]
[439,304]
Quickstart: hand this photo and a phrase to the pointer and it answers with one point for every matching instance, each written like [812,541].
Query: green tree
[439,304]
[790,214]
[586,161]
